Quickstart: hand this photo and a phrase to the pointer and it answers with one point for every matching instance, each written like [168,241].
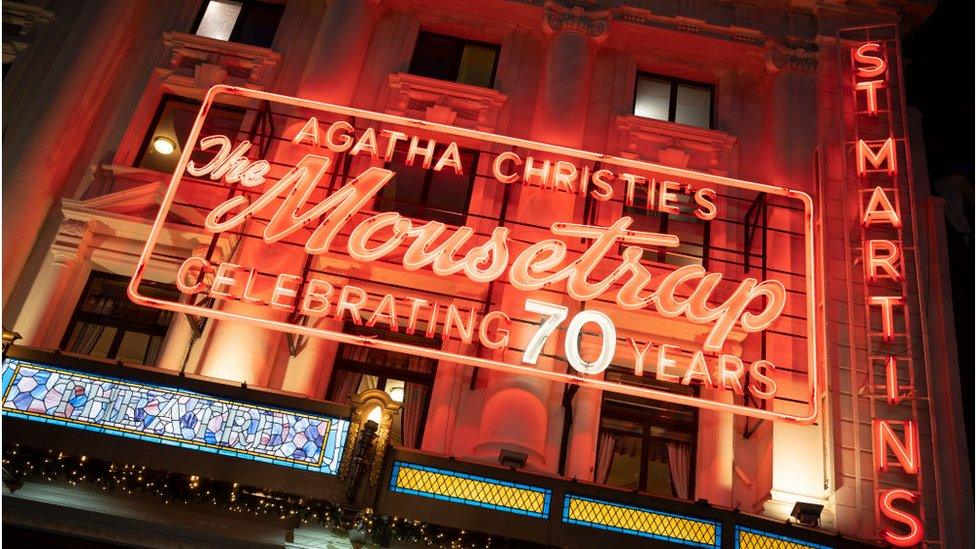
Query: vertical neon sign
[880,155]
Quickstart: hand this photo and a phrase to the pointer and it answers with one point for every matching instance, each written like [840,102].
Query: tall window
[427,194]
[647,445]
[454,59]
[693,233]
[408,379]
[107,324]
[167,135]
[674,100]
[243,21]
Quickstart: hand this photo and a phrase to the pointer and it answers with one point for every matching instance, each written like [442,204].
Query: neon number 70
[553,315]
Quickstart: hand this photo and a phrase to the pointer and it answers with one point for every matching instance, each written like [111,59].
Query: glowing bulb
[376,414]
[164,145]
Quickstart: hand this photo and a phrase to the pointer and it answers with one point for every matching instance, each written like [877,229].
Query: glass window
[647,445]
[168,133]
[427,194]
[448,58]
[673,100]
[408,379]
[106,324]
[244,21]
[693,233]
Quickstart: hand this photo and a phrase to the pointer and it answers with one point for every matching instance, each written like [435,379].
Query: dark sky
[939,81]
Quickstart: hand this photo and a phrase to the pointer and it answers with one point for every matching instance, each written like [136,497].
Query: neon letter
[885,154]
[916,530]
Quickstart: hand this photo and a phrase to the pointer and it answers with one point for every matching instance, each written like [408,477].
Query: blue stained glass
[172,416]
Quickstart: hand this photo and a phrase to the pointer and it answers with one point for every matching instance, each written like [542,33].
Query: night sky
[939,81]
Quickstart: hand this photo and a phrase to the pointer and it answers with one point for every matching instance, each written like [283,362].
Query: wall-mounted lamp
[369,429]
[9,338]
[807,514]
[163,145]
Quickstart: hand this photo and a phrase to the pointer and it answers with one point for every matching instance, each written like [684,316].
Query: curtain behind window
[679,460]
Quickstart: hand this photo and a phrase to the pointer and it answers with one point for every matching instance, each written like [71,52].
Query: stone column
[243,352]
[44,305]
[337,54]
[561,109]
[517,414]
[44,141]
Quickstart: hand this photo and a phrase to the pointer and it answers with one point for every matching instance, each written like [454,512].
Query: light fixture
[375,415]
[807,514]
[163,145]
[512,460]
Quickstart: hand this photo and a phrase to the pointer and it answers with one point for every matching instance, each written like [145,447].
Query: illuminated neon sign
[885,297]
[578,293]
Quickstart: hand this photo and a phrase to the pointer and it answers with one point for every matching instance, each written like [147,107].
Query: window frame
[457,69]
[673,97]
[661,255]
[235,33]
[121,326]
[161,103]
[429,174]
[621,410]
[384,373]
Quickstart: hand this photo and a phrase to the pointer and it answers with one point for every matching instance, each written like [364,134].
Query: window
[106,324]
[408,379]
[448,58]
[691,231]
[674,100]
[163,145]
[427,194]
[244,21]
[647,445]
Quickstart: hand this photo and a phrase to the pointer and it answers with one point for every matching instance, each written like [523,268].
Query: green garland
[25,463]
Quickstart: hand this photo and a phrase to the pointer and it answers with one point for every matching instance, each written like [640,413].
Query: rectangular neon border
[813,334]
[716,544]
[766,539]
[333,442]
[541,513]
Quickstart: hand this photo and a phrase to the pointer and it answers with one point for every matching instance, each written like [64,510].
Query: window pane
[436,57]
[694,106]
[219,19]
[653,98]
[447,200]
[404,193]
[658,471]
[259,24]
[92,340]
[133,347]
[477,65]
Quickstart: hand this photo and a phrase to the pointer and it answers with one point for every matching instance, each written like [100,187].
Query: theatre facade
[505,273]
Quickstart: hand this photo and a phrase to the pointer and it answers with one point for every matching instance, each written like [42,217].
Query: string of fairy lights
[22,463]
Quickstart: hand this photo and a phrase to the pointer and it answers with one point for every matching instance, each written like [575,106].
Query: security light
[807,514]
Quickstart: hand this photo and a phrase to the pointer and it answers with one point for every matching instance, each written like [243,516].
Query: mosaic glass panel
[172,416]
[747,538]
[636,521]
[418,480]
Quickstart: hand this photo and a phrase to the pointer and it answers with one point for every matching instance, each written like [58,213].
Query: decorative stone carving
[214,61]
[444,102]
[798,58]
[672,144]
[75,227]
[592,24]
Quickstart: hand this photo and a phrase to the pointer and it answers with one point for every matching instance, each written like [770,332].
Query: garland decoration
[21,463]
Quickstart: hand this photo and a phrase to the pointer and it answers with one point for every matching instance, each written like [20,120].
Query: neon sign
[884,270]
[576,293]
